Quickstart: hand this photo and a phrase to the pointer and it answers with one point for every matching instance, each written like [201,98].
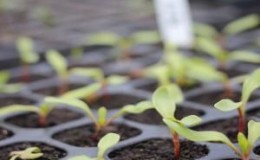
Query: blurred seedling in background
[28,56]
[106,142]
[245,144]
[207,43]
[164,100]
[251,83]
[26,154]
[8,88]
[101,83]
[101,121]
[237,26]
[123,44]
[60,65]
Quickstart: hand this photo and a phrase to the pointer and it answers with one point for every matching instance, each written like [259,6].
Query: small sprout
[28,153]
[245,144]
[8,88]
[106,142]
[209,46]
[164,100]
[204,30]
[28,56]
[101,121]
[251,83]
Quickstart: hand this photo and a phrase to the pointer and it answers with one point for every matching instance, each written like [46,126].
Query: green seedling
[89,92]
[60,65]
[164,100]
[101,121]
[251,83]
[106,142]
[27,154]
[234,27]
[245,144]
[8,88]
[123,44]
[28,56]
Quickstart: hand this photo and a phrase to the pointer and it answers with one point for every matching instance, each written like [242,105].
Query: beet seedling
[8,88]
[245,144]
[28,153]
[106,142]
[164,101]
[28,56]
[251,83]
[101,121]
[123,44]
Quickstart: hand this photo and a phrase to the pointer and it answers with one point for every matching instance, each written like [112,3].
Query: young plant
[28,153]
[245,144]
[8,88]
[123,44]
[59,64]
[101,121]
[89,92]
[164,100]
[106,142]
[28,56]
[251,83]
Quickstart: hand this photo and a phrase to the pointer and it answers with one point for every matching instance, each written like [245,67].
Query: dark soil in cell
[4,133]
[56,117]
[159,149]
[232,72]
[255,113]
[83,136]
[32,78]
[114,101]
[257,150]
[50,152]
[212,97]
[55,90]
[5,101]
[227,126]
[152,117]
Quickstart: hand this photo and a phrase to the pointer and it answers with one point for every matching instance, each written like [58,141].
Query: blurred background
[62,24]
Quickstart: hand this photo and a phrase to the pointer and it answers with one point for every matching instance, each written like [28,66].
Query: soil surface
[211,97]
[84,136]
[159,149]
[257,150]
[227,126]
[50,152]
[5,101]
[4,133]
[114,101]
[56,117]
[156,119]
[54,90]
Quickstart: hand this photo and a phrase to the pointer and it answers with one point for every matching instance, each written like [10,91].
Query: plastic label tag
[175,22]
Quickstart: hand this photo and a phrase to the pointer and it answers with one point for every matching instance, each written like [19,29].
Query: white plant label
[175,22]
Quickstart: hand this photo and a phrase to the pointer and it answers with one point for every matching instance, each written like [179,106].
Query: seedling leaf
[138,108]
[102,114]
[243,143]
[25,48]
[4,77]
[242,24]
[116,79]
[29,153]
[83,92]
[108,141]
[103,38]
[191,120]
[18,108]
[164,99]
[71,102]
[227,105]
[95,73]
[58,62]
[253,132]
[205,30]
[146,37]
[251,83]
[245,56]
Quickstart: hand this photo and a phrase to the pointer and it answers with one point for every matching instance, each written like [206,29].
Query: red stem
[63,86]
[105,92]
[42,121]
[25,73]
[176,143]
[241,121]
